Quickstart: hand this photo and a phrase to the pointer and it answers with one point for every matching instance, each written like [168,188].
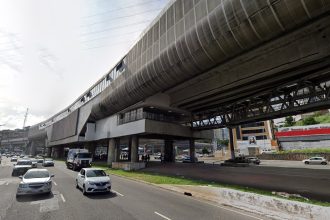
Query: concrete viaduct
[202,64]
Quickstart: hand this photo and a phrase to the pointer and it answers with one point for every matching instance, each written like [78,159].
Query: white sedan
[316,160]
[92,180]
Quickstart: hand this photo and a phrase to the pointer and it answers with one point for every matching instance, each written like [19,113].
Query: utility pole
[25,117]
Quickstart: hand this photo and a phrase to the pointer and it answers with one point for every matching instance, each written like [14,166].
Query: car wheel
[77,186]
[84,191]
[17,196]
[74,167]
[306,162]
[324,163]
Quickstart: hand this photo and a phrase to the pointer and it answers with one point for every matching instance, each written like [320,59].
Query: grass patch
[309,151]
[171,180]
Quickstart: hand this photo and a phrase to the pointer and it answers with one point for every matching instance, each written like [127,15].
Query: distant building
[13,140]
[253,138]
[302,137]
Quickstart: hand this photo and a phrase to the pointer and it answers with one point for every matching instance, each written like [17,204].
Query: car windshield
[95,173]
[36,174]
[84,155]
[26,162]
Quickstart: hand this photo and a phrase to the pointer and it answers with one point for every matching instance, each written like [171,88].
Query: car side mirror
[21,177]
[52,175]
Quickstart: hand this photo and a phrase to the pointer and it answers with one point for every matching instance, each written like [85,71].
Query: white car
[92,180]
[316,160]
[35,181]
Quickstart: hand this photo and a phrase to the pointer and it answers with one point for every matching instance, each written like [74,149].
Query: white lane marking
[7,183]
[163,216]
[117,193]
[198,200]
[55,183]
[62,197]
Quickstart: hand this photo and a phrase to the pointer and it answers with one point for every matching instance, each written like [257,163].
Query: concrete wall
[66,127]
[305,144]
[293,156]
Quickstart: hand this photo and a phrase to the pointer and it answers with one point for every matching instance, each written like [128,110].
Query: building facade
[254,138]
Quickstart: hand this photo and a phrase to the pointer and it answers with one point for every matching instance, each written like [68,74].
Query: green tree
[309,121]
[289,121]
[205,151]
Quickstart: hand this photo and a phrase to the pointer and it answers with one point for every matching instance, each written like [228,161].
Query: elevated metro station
[201,65]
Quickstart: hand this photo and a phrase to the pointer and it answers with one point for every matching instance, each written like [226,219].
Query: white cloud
[48,65]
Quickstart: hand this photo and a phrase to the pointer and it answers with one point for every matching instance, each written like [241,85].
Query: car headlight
[23,185]
[91,183]
[48,183]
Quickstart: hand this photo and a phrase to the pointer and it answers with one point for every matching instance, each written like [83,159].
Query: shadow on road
[101,195]
[32,198]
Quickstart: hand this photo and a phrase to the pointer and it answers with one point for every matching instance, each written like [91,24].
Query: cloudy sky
[51,51]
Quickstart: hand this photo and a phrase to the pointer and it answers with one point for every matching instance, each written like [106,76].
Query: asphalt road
[311,183]
[129,200]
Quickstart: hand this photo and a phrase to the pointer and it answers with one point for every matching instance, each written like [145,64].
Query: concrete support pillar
[169,151]
[117,150]
[134,148]
[129,148]
[49,151]
[91,147]
[33,148]
[192,149]
[111,152]
[231,143]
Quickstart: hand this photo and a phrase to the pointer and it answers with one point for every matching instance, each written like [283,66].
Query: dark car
[187,159]
[254,160]
[20,170]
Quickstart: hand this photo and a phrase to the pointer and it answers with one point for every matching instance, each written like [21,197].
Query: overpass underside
[290,75]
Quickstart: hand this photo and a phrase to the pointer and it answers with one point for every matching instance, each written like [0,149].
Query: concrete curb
[272,207]
[268,206]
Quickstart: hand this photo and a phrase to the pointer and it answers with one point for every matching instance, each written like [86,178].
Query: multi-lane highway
[128,200]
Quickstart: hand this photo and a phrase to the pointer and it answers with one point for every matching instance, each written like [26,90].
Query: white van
[78,158]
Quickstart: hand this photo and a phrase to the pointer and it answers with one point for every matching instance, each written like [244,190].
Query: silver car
[35,181]
[48,162]
[316,160]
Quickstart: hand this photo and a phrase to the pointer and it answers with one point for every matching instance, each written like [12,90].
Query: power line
[108,45]
[113,35]
[117,9]
[116,27]
[126,16]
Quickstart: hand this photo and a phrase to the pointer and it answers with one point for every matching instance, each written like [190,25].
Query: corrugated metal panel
[224,29]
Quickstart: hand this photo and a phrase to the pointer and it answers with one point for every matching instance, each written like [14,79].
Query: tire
[84,191]
[77,186]
[306,162]
[324,163]
[74,168]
